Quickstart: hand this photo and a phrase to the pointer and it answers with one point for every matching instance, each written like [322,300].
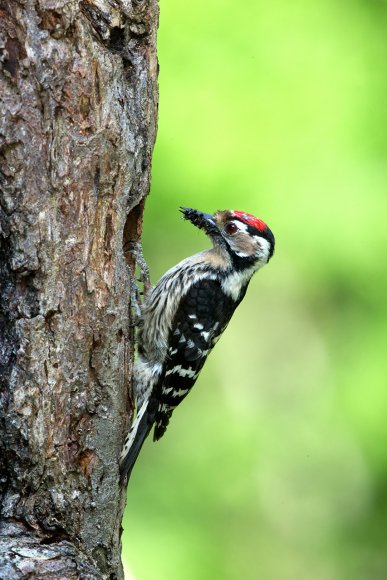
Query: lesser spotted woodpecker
[185,314]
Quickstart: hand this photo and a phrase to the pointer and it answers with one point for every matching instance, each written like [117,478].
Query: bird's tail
[135,438]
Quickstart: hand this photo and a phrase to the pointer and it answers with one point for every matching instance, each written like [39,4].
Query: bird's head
[247,239]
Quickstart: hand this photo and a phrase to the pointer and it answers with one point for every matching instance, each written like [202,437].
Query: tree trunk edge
[78,85]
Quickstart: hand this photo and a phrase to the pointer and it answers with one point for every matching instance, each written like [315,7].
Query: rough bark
[77,129]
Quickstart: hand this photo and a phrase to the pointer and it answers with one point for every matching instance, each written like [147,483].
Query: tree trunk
[77,129]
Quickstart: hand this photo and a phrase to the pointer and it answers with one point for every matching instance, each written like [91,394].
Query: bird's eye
[230,228]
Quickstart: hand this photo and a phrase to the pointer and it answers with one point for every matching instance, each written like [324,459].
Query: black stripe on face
[241,263]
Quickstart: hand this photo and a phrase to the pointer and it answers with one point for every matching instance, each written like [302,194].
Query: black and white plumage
[185,314]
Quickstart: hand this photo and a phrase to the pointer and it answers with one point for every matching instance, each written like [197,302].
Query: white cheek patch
[235,248]
[240,254]
[263,250]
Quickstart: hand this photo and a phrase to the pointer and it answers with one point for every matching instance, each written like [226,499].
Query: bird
[185,314]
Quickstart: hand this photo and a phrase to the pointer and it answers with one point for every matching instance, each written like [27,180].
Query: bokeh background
[275,467]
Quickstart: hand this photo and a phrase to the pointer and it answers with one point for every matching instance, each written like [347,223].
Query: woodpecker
[185,314]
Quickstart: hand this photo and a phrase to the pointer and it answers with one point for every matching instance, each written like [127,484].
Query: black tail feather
[142,431]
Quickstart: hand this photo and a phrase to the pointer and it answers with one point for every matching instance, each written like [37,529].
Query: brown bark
[77,128]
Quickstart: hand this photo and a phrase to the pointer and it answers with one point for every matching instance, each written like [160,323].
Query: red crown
[250,220]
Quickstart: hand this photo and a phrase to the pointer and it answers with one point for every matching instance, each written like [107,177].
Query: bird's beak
[203,221]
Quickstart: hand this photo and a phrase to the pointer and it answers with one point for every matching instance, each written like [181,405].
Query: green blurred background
[275,467]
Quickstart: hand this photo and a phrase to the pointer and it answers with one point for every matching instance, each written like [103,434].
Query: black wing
[201,317]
